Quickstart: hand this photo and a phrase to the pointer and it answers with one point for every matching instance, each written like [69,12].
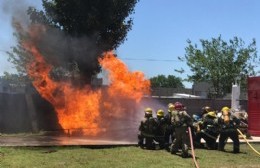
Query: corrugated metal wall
[254,105]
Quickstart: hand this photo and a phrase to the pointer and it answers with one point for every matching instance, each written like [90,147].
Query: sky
[161,30]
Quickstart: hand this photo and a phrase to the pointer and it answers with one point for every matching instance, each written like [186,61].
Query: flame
[76,108]
[84,109]
[124,83]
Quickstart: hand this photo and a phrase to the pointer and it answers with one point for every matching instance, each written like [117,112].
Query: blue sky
[162,27]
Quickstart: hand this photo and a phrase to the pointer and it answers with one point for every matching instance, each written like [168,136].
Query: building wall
[195,105]
[159,91]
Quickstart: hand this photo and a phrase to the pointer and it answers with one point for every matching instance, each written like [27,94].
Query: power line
[155,60]
[149,59]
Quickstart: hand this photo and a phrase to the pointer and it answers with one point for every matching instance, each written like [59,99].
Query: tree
[163,81]
[221,63]
[14,78]
[79,31]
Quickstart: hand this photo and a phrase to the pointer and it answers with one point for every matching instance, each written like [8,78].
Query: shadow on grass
[105,146]
[231,152]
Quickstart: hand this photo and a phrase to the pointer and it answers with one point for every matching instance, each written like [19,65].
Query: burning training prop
[84,109]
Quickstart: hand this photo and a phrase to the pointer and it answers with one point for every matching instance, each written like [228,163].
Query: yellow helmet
[225,109]
[212,114]
[171,106]
[160,113]
[148,110]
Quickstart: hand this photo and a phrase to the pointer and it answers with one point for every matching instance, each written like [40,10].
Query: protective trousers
[233,135]
[181,139]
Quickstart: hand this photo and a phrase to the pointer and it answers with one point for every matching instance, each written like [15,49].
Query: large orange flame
[85,110]
[125,83]
[76,109]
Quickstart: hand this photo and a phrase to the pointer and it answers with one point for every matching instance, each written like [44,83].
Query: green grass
[123,157]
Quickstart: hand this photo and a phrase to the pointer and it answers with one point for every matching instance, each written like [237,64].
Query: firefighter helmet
[148,112]
[206,109]
[171,106]
[225,109]
[212,114]
[160,113]
[178,106]
[226,114]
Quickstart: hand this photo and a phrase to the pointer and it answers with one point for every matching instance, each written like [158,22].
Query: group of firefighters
[170,131]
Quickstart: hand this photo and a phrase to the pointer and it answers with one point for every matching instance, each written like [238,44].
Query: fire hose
[192,149]
[248,142]
[207,134]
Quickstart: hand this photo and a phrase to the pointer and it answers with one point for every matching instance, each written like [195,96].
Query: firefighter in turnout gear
[209,131]
[228,129]
[161,128]
[169,132]
[205,110]
[196,128]
[147,130]
[180,121]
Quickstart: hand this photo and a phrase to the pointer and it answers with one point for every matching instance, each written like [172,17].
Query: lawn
[76,156]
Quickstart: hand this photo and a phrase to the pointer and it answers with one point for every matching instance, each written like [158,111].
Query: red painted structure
[254,105]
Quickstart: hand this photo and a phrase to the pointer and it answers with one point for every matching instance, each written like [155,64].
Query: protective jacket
[181,121]
[228,129]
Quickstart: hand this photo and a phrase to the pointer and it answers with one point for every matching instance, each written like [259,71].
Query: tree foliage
[105,19]
[169,82]
[14,79]
[221,63]
[103,23]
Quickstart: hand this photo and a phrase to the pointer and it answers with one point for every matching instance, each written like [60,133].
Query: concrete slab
[43,140]
[253,139]
[59,141]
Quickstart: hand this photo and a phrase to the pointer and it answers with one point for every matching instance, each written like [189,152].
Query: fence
[31,113]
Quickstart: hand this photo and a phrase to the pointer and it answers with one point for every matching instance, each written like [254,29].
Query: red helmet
[178,106]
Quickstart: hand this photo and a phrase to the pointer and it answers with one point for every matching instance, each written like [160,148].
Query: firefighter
[205,110]
[209,131]
[180,121]
[147,130]
[169,132]
[202,113]
[228,129]
[161,128]
[197,126]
